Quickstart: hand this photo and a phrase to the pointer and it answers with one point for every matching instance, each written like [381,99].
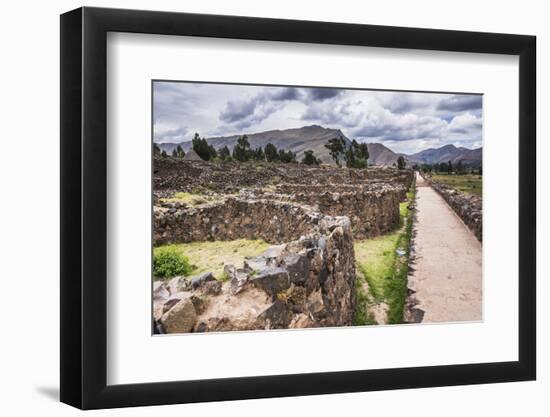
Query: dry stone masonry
[310,214]
[467,206]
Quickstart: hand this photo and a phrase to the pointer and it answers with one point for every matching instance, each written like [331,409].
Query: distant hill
[297,140]
[471,157]
[381,155]
[315,137]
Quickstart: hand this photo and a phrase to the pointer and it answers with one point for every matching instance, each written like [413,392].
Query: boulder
[180,318]
[198,280]
[272,280]
[297,266]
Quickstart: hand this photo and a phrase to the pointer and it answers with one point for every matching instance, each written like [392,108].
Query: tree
[203,149]
[180,152]
[336,148]
[224,153]
[174,153]
[480,171]
[449,168]
[356,155]
[241,151]
[460,168]
[361,150]
[163,154]
[401,163]
[286,157]
[310,159]
[271,153]
[156,149]
[258,154]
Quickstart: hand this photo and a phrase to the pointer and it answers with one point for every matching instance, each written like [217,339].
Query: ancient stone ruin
[310,215]
[467,206]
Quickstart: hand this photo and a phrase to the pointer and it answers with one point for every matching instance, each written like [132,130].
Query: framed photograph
[259,208]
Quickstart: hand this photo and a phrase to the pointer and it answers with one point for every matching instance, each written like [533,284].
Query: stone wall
[468,207]
[233,218]
[308,282]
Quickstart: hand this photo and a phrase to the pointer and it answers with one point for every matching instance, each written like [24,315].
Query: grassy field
[382,263]
[468,183]
[212,256]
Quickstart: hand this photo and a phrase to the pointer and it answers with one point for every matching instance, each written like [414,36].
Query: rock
[272,280]
[211,287]
[255,264]
[273,251]
[180,318]
[160,291]
[315,304]
[301,321]
[297,266]
[178,284]
[174,299]
[239,278]
[198,280]
[276,316]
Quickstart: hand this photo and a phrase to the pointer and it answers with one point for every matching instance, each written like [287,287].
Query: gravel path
[448,274]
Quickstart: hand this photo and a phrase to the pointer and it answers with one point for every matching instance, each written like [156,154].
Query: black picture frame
[84,207]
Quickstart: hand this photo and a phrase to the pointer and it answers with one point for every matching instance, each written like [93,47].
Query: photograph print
[294,207]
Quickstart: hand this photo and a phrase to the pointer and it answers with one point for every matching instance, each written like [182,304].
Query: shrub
[168,262]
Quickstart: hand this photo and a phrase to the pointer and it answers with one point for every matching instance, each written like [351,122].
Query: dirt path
[448,275]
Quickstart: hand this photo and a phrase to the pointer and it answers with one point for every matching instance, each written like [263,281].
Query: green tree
[203,149]
[180,152]
[286,157]
[449,168]
[361,150]
[310,159]
[258,154]
[174,153]
[163,154]
[271,153]
[460,168]
[224,153]
[156,149]
[401,163]
[336,148]
[480,170]
[241,151]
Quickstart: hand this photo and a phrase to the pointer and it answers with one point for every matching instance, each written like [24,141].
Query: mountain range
[315,137]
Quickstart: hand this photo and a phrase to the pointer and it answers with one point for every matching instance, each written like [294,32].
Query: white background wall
[29,219]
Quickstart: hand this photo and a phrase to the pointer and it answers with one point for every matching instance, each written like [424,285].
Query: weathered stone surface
[180,318]
[467,206]
[198,280]
[308,278]
[272,280]
[276,316]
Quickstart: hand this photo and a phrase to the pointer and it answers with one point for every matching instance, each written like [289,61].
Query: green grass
[468,183]
[385,272]
[213,256]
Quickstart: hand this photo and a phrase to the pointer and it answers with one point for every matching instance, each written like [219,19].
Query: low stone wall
[308,282]
[373,210]
[233,218]
[468,207]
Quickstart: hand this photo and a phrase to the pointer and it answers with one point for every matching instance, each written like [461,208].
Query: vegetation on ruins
[382,267]
[168,262]
[211,256]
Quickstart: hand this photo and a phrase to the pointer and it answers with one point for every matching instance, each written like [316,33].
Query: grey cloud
[171,135]
[321,93]
[459,103]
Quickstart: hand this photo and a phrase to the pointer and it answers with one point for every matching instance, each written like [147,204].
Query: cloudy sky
[405,122]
